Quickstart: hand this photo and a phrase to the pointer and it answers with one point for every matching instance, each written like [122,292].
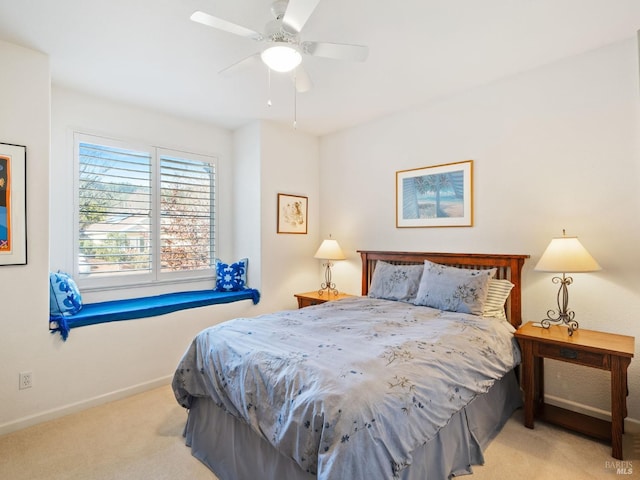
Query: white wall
[553,148]
[24,120]
[289,165]
[107,361]
[278,159]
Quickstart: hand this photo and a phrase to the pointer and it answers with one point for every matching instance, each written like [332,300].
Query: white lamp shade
[281,58]
[566,255]
[330,250]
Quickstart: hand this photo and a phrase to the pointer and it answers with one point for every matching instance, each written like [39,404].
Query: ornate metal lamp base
[563,316]
[328,286]
[572,325]
[329,290]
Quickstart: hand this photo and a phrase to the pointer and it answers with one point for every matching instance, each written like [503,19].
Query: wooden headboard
[508,267]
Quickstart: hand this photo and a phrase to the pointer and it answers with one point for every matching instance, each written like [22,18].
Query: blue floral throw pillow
[395,282]
[231,277]
[64,296]
[454,289]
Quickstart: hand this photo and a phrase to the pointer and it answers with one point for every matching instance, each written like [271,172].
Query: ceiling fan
[282,48]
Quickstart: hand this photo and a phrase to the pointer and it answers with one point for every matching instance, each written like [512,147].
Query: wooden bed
[508,267]
[233,450]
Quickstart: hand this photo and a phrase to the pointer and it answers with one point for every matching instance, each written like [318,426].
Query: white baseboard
[631,425]
[52,414]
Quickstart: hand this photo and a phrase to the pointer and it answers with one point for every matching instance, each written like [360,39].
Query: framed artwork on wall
[292,213]
[436,196]
[13,204]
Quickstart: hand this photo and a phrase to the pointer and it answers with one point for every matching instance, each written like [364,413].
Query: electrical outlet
[26,380]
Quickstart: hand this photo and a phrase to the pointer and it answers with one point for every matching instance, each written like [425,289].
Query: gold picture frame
[292,213]
[435,196]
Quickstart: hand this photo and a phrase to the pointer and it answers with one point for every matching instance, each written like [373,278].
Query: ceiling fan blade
[298,12]
[252,59]
[225,26]
[301,80]
[338,51]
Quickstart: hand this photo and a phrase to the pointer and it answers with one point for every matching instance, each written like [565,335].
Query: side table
[589,348]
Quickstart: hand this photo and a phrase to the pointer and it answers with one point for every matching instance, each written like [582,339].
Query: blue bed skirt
[129,309]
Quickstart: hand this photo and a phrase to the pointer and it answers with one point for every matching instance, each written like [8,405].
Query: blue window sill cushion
[129,309]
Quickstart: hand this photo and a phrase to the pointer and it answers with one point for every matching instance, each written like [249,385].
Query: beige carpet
[141,438]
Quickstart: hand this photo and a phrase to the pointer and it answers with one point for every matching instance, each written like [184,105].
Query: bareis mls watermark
[619,467]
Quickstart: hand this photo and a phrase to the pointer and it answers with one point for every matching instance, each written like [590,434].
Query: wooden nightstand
[313,298]
[605,351]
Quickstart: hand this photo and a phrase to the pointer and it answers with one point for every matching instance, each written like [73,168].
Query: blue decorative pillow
[231,277]
[395,282]
[453,289]
[64,296]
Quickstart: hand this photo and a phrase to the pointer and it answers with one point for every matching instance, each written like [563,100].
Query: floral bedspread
[349,388]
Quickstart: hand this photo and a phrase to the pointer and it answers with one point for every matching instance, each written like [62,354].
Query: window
[144,214]
[186,208]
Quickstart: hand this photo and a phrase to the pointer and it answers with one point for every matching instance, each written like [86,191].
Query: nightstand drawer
[315,298]
[569,354]
[308,302]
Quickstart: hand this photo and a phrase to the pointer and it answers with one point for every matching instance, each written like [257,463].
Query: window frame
[156,276]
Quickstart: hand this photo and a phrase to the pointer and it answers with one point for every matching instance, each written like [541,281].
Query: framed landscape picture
[13,212]
[292,213]
[437,196]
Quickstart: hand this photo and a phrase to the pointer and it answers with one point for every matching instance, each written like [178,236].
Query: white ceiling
[148,52]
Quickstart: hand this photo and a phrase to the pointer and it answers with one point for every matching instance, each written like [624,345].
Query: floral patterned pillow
[453,289]
[395,282]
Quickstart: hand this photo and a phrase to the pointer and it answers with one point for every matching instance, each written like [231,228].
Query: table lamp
[565,255]
[329,250]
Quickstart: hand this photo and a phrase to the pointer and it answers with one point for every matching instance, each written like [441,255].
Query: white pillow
[395,282]
[454,289]
[497,295]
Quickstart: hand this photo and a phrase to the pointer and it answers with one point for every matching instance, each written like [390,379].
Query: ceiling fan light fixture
[281,58]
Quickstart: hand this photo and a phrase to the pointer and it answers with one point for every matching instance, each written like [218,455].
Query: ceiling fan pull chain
[268,87]
[295,103]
